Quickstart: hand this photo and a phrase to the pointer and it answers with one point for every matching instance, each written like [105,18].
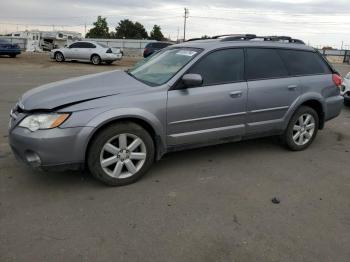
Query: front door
[214,111]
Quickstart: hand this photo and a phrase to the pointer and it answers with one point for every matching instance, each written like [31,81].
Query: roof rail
[247,37]
[264,38]
[233,37]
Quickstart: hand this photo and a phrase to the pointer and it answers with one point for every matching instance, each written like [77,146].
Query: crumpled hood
[79,89]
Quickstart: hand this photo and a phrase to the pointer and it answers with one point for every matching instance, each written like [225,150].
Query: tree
[129,29]
[100,29]
[156,33]
[140,31]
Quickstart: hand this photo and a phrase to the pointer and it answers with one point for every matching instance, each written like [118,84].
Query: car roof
[86,41]
[218,43]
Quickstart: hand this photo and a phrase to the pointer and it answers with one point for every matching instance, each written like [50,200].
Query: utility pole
[342,43]
[177,37]
[185,18]
[85,31]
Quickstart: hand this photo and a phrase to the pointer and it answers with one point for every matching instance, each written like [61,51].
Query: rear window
[264,63]
[159,45]
[303,62]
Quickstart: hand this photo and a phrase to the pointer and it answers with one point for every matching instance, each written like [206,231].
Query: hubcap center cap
[123,154]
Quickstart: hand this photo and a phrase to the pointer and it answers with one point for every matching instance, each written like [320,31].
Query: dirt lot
[210,204]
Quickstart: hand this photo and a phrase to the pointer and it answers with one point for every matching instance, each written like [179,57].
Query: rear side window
[219,67]
[89,45]
[303,62]
[264,63]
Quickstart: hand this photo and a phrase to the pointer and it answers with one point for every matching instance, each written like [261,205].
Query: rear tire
[121,154]
[59,57]
[13,56]
[302,129]
[347,102]
[109,62]
[96,59]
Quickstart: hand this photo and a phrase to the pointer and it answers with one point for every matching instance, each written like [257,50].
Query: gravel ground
[209,204]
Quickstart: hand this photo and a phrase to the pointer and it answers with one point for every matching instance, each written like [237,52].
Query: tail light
[146,50]
[337,80]
[109,51]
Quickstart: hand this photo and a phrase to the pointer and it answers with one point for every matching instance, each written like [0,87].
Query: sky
[317,22]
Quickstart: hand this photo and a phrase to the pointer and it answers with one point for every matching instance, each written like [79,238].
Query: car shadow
[205,155]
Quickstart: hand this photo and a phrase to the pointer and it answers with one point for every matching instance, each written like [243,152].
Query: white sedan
[345,90]
[87,51]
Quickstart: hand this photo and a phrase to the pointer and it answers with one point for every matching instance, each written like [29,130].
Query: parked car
[154,47]
[192,94]
[87,51]
[345,90]
[6,48]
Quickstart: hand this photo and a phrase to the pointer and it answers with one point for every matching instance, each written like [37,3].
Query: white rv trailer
[46,40]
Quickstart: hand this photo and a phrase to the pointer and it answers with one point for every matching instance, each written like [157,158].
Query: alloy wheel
[303,129]
[123,156]
[96,60]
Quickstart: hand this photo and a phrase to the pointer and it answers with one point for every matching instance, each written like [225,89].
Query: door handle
[292,87]
[235,94]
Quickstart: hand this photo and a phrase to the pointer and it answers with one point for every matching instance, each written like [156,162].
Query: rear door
[271,91]
[86,50]
[217,109]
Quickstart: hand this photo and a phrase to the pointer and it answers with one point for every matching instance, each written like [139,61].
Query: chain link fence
[130,47]
[336,56]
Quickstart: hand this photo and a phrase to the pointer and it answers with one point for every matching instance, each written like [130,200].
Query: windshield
[162,66]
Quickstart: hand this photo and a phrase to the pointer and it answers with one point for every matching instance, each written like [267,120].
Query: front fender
[132,113]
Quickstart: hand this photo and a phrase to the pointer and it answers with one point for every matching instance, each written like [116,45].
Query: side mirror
[192,80]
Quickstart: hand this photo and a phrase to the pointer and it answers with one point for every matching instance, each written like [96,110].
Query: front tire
[302,129]
[96,59]
[13,56]
[121,154]
[109,62]
[59,57]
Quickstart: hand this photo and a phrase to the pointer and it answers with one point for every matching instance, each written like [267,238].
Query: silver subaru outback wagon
[192,94]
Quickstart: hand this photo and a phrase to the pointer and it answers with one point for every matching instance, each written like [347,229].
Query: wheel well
[138,121]
[93,55]
[57,53]
[317,106]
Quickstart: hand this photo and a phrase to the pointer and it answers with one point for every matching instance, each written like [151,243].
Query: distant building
[46,40]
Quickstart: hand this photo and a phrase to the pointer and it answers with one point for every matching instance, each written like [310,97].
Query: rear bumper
[111,57]
[334,106]
[59,147]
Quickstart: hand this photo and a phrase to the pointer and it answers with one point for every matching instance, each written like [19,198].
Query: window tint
[223,66]
[264,63]
[88,45]
[303,62]
[75,45]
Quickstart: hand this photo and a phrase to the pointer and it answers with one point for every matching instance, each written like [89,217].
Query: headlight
[43,121]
